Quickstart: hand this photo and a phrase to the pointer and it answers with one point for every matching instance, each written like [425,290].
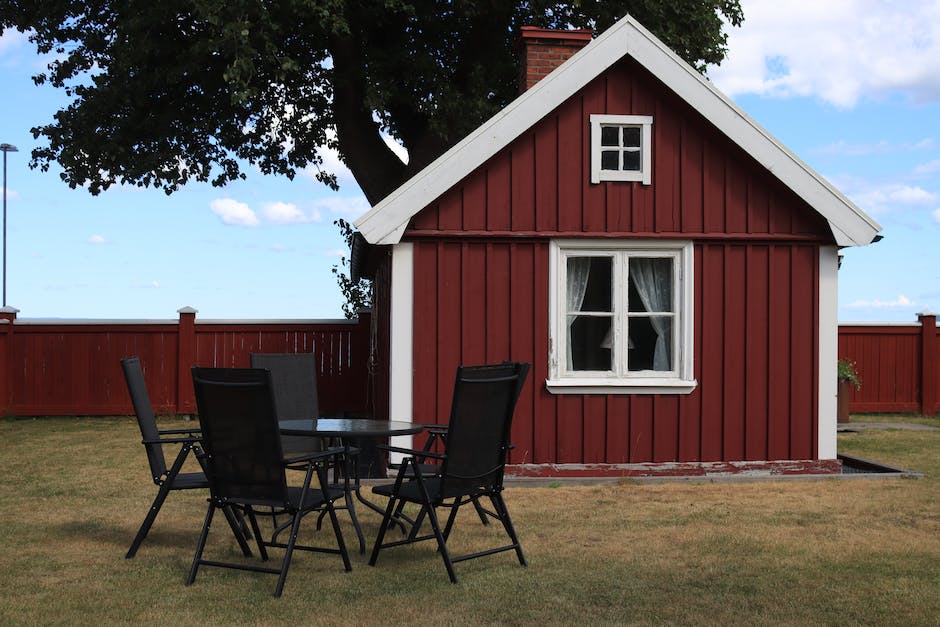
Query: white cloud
[878,198]
[11,39]
[931,167]
[838,51]
[234,212]
[286,213]
[936,216]
[843,148]
[98,239]
[900,301]
[345,206]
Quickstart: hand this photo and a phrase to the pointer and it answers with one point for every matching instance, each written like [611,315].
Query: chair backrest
[240,435]
[146,421]
[294,377]
[480,422]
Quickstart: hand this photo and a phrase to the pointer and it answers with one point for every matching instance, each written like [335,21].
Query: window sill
[620,386]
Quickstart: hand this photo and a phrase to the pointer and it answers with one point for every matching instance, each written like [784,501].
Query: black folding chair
[294,381]
[471,467]
[246,467]
[166,479]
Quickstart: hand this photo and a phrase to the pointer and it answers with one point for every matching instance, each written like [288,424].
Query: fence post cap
[926,313]
[187,310]
[9,310]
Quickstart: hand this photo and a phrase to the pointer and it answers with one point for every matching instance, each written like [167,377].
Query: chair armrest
[196,432]
[410,451]
[191,439]
[312,457]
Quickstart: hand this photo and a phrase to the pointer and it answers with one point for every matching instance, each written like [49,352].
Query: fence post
[928,362]
[186,359]
[7,316]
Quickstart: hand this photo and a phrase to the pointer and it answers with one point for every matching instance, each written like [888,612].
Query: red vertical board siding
[756,360]
[570,429]
[641,429]
[473,303]
[666,164]
[594,207]
[499,194]
[522,342]
[803,351]
[736,208]
[474,209]
[570,166]
[712,388]
[595,429]
[617,440]
[757,205]
[780,357]
[691,181]
[546,175]
[522,206]
[449,310]
[734,376]
[498,312]
[665,428]
[425,402]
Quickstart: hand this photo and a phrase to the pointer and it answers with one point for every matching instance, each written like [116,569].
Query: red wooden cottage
[668,268]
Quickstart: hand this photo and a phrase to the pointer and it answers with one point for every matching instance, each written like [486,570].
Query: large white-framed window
[621,148]
[621,317]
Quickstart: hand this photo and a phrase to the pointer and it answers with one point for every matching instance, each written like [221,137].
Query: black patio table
[348,430]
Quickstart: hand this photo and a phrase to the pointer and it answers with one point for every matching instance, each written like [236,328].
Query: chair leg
[480,511]
[239,529]
[441,543]
[386,523]
[339,536]
[503,514]
[256,529]
[201,545]
[148,520]
[451,518]
[287,555]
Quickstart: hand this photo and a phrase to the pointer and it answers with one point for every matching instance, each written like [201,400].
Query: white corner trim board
[828,350]
[401,391]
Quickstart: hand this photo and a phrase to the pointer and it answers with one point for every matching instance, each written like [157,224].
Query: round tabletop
[348,427]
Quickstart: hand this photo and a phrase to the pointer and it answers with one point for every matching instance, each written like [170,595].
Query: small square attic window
[621,148]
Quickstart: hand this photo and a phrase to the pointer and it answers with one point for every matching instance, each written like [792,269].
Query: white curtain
[653,281]
[579,269]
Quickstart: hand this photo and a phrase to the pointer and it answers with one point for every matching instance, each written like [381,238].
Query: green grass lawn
[861,551]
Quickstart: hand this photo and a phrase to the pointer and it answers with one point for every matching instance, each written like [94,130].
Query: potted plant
[848,378]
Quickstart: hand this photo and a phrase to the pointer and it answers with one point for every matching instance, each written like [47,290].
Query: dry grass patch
[799,552]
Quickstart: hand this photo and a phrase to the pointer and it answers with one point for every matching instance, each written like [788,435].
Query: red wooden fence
[55,368]
[73,367]
[897,364]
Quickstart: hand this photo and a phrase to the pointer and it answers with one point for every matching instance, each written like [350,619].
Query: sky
[852,87]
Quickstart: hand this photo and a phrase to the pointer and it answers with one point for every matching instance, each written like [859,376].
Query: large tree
[165,91]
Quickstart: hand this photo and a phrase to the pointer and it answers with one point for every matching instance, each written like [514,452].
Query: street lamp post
[5,148]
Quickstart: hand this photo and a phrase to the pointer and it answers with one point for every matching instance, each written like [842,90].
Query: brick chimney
[541,50]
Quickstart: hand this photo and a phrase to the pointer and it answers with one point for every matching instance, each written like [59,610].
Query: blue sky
[851,86]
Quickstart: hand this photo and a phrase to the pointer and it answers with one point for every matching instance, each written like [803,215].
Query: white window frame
[620,380]
[645,124]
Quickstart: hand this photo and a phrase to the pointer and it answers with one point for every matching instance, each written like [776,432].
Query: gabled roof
[386,222]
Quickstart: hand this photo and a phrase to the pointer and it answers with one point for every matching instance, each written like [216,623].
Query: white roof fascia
[386,222]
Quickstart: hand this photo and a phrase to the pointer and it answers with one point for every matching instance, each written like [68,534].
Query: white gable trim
[386,222]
